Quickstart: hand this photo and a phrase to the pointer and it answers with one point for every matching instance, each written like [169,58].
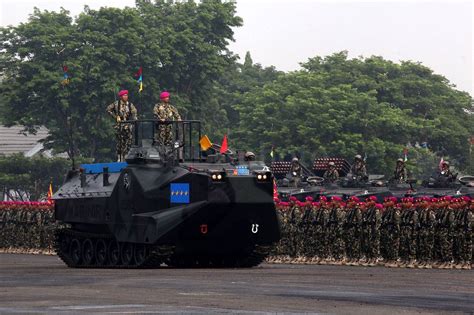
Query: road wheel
[64,243]
[101,252]
[127,253]
[140,254]
[114,253]
[88,252]
[76,251]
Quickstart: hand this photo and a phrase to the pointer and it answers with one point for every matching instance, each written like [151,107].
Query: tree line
[332,106]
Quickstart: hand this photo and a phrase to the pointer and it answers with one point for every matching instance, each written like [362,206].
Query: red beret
[164,94]
[122,93]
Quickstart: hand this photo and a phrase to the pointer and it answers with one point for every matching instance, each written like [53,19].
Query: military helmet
[295,159]
[446,163]
[400,160]
[331,164]
[249,156]
[358,157]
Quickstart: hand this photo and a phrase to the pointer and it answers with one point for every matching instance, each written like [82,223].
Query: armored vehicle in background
[170,203]
[315,186]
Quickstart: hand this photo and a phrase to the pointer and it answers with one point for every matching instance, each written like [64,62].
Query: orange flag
[224,145]
[50,193]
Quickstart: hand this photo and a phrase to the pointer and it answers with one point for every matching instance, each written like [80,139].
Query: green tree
[337,106]
[23,178]
[181,47]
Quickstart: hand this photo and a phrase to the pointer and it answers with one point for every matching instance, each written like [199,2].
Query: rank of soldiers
[413,233]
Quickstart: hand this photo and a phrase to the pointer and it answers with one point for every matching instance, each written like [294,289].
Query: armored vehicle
[175,201]
[315,186]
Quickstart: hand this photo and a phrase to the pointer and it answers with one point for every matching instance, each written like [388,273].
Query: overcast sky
[284,33]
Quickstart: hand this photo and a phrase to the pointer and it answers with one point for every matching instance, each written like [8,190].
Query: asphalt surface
[32,284]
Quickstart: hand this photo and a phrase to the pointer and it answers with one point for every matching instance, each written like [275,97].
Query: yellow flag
[205,143]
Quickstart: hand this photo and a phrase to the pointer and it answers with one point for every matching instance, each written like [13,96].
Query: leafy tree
[181,47]
[339,107]
[23,178]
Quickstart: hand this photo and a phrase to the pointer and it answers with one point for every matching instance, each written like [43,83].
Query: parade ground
[40,284]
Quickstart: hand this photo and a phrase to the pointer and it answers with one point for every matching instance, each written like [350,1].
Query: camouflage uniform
[331,175]
[408,235]
[352,221]
[304,232]
[445,234]
[282,246]
[462,235]
[400,174]
[371,222]
[335,232]
[165,112]
[122,111]
[427,220]
[321,222]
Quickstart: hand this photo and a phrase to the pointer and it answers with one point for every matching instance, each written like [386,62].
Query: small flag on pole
[139,75]
[50,193]
[224,145]
[66,79]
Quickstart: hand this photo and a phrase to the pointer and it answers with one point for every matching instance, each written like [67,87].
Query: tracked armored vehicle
[170,203]
[315,186]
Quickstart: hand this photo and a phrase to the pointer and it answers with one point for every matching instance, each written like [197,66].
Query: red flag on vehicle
[224,145]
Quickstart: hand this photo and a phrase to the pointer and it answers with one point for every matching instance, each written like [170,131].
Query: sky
[284,33]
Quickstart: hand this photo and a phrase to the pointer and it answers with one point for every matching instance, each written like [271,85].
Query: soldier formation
[413,233]
[29,228]
[123,110]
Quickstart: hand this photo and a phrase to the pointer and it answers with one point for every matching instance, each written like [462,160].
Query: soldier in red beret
[164,111]
[122,110]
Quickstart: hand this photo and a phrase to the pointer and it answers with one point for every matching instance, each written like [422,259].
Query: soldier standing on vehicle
[164,111]
[122,110]
[296,171]
[359,169]
[446,172]
[331,174]
[400,174]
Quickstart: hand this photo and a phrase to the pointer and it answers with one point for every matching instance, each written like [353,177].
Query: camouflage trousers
[392,243]
[320,242]
[164,135]
[445,244]
[352,241]
[408,243]
[124,141]
[335,242]
[462,245]
[370,241]
[425,244]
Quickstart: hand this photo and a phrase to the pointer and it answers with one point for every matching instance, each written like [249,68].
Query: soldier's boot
[436,264]
[344,260]
[379,261]
[457,265]
[428,264]
[466,266]
[410,264]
